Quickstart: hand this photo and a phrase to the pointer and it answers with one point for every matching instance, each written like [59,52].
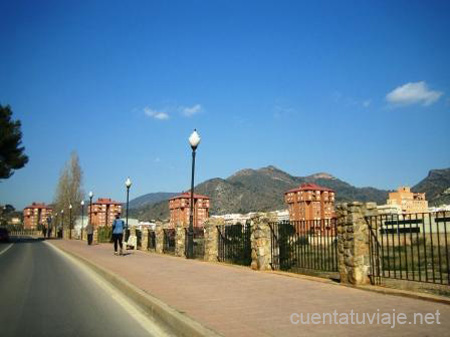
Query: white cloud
[161,115]
[191,111]
[413,93]
[366,103]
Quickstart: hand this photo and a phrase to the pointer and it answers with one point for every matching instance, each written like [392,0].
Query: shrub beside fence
[199,242]
[169,241]
[235,244]
[104,234]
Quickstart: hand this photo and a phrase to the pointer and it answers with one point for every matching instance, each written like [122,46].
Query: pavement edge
[177,321]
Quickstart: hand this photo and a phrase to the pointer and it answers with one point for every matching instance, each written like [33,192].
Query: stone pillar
[133,237]
[260,241]
[95,237]
[212,239]
[144,239]
[353,242]
[180,237]
[159,237]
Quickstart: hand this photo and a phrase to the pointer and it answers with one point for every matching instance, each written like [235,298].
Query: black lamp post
[194,140]
[82,219]
[62,223]
[90,208]
[128,185]
[70,221]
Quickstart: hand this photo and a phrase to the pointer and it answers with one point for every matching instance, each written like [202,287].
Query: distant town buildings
[310,202]
[36,214]
[179,207]
[408,201]
[104,211]
[237,218]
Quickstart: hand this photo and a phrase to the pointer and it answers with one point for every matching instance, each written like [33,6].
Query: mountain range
[263,190]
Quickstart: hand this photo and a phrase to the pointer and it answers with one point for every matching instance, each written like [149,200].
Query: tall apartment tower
[408,201]
[104,211]
[36,214]
[180,209]
[310,202]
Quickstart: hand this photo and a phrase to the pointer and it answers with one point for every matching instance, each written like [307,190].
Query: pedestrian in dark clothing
[118,226]
[90,234]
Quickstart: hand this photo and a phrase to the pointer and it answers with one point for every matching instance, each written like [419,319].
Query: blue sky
[358,89]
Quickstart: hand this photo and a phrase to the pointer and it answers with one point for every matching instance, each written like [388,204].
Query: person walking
[118,226]
[90,233]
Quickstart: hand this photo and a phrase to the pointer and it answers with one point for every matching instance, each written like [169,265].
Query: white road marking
[132,309]
[4,250]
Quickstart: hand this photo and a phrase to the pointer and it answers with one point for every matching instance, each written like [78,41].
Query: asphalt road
[44,292]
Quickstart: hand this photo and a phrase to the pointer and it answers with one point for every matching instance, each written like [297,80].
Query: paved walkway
[236,301]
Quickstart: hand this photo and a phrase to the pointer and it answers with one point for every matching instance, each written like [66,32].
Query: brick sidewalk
[236,301]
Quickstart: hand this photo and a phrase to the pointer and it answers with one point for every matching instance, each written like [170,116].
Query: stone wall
[212,239]
[260,242]
[353,242]
[144,239]
[159,234]
[180,237]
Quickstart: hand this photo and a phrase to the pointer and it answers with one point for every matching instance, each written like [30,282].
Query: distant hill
[262,190]
[150,198]
[436,187]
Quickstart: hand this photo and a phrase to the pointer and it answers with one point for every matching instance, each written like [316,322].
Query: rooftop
[187,195]
[310,187]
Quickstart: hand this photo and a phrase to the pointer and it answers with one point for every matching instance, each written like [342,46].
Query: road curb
[178,322]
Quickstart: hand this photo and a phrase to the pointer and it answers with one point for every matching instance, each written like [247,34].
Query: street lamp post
[82,219]
[62,223]
[194,140]
[127,185]
[55,225]
[70,221]
[90,229]
[90,207]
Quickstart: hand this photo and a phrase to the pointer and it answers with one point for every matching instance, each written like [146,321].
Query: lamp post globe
[194,140]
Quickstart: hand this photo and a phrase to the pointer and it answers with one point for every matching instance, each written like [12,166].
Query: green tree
[12,155]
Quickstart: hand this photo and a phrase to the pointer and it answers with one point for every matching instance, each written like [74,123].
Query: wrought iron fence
[14,231]
[138,238]
[169,241]
[412,247]
[235,244]
[304,245]
[199,242]
[151,242]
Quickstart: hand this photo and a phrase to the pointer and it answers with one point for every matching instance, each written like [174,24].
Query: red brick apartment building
[310,202]
[104,211]
[36,214]
[180,209]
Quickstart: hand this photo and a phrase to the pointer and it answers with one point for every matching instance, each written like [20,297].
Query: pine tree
[12,155]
